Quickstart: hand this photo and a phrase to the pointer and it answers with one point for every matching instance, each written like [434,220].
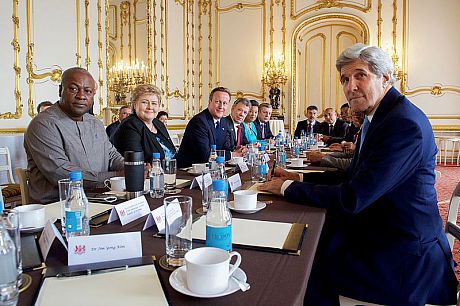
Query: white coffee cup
[31,216]
[320,143]
[116,183]
[198,168]
[296,162]
[237,160]
[245,199]
[208,269]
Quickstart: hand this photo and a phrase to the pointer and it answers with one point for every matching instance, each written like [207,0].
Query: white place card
[49,234]
[243,167]
[130,210]
[234,181]
[198,181]
[157,216]
[99,248]
[266,157]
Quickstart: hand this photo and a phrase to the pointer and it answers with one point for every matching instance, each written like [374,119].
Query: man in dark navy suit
[240,110]
[262,122]
[205,129]
[308,124]
[382,241]
[333,128]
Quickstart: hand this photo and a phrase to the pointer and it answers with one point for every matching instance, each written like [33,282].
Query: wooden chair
[22,174]
[11,191]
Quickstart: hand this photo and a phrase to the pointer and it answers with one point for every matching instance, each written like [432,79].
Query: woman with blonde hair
[142,131]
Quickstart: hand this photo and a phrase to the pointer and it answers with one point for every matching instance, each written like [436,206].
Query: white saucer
[178,280]
[192,172]
[298,167]
[31,230]
[260,206]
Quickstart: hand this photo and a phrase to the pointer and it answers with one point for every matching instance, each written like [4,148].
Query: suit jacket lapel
[211,125]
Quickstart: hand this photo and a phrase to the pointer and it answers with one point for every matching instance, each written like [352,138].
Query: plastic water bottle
[213,157]
[262,167]
[295,149]
[288,140]
[303,141]
[9,291]
[76,208]
[221,174]
[278,139]
[157,178]
[219,218]
[281,156]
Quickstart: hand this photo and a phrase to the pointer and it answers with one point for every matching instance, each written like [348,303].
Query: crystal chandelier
[125,76]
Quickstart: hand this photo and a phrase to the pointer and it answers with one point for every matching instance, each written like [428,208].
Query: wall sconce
[397,71]
[124,77]
[274,76]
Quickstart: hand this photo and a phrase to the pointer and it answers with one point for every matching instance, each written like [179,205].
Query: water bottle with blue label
[76,207]
[219,218]
[262,166]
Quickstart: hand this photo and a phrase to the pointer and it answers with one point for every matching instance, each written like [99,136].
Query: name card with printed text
[234,181]
[157,216]
[130,210]
[99,248]
[48,236]
[243,167]
[198,181]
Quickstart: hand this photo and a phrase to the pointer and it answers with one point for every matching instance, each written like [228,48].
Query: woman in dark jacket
[142,131]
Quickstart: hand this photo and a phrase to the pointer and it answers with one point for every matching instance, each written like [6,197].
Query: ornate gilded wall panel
[239,47]
[11,55]
[331,33]
[302,7]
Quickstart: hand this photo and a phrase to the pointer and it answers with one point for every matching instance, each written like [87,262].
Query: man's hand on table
[240,151]
[315,156]
[273,186]
[146,170]
[283,174]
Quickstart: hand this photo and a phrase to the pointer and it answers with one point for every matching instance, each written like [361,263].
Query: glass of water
[63,192]
[11,222]
[170,170]
[178,215]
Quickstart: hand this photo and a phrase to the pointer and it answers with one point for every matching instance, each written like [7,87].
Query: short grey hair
[378,60]
[243,101]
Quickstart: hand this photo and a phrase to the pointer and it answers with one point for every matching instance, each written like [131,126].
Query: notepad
[133,286]
[263,235]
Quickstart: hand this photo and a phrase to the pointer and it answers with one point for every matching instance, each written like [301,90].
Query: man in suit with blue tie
[205,129]
[382,241]
[262,122]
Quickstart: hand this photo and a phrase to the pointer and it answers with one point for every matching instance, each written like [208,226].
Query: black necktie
[331,128]
[217,132]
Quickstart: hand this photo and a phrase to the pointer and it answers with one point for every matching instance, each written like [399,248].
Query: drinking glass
[63,185]
[170,170]
[205,190]
[11,222]
[178,215]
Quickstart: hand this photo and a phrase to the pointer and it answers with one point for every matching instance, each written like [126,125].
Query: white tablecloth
[276,126]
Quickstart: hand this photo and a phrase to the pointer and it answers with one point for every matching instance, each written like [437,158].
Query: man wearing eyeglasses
[207,128]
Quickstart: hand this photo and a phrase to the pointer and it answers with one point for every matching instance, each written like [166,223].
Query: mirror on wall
[128,48]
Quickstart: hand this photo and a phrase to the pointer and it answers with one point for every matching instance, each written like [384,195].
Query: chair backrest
[5,164]
[22,174]
[452,229]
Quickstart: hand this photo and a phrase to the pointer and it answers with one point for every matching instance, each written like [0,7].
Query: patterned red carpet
[445,185]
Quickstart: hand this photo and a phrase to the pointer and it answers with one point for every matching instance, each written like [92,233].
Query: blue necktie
[363,132]
[217,132]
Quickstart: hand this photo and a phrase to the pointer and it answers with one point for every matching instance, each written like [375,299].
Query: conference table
[275,278]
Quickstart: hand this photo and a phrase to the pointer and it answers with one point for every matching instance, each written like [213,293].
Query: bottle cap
[156,155]
[220,160]
[281,142]
[75,176]
[219,185]
[213,147]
